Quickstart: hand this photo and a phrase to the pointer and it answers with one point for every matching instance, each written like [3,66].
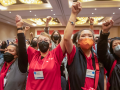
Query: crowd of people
[50,62]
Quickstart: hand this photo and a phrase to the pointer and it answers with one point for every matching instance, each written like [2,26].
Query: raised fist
[48,19]
[107,25]
[31,33]
[91,20]
[19,21]
[76,8]
[27,28]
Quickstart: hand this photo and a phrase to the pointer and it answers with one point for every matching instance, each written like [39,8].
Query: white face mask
[117,50]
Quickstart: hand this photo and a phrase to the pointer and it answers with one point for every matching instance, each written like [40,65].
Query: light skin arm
[26,30]
[76,8]
[2,49]
[91,23]
[105,82]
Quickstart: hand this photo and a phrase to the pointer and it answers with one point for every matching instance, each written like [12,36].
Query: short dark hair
[83,30]
[16,48]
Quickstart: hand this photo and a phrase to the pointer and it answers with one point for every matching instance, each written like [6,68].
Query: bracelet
[20,28]
[72,23]
[91,23]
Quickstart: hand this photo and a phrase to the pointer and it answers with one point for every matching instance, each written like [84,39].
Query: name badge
[38,75]
[5,80]
[90,73]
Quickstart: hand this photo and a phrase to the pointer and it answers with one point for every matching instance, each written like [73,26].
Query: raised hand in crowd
[106,26]
[48,19]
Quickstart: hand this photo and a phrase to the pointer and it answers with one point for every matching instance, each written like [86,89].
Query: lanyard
[37,63]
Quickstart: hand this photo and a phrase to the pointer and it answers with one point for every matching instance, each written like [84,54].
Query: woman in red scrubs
[85,72]
[44,69]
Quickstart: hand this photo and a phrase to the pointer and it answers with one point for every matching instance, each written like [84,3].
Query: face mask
[117,50]
[56,37]
[34,44]
[86,43]
[43,46]
[8,57]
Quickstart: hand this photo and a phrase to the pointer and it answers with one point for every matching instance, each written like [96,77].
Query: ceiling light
[118,8]
[30,11]
[34,24]
[35,15]
[7,2]
[113,13]
[85,0]
[82,20]
[38,21]
[95,9]
[51,10]
[92,13]
[9,12]
[53,14]
[31,1]
[3,8]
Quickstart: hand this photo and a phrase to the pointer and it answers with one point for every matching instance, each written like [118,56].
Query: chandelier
[11,2]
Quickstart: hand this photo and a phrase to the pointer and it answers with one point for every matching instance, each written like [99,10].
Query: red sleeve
[59,54]
[105,71]
[71,55]
[16,40]
[30,52]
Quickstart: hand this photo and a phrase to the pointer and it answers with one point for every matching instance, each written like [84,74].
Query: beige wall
[7,32]
[114,32]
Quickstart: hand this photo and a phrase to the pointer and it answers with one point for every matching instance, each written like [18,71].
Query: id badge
[90,73]
[38,75]
[5,81]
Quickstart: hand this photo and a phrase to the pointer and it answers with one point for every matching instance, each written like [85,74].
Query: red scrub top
[50,68]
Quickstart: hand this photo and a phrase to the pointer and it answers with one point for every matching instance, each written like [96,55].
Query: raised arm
[102,46]
[46,29]
[22,53]
[91,23]
[76,8]
[26,30]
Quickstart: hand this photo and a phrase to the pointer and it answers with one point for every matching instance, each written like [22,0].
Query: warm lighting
[51,22]
[82,20]
[38,21]
[96,19]
[85,0]
[31,1]
[7,2]
[34,24]
[96,0]
[3,8]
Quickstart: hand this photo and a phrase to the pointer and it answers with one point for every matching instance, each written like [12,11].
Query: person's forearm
[2,49]
[69,28]
[91,26]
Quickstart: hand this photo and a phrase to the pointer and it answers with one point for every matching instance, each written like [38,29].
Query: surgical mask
[56,37]
[43,46]
[8,57]
[86,43]
[34,43]
[117,50]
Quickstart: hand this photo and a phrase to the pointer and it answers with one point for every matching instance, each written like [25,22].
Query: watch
[20,28]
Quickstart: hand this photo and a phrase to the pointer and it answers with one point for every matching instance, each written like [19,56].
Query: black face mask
[43,46]
[34,44]
[56,37]
[8,57]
